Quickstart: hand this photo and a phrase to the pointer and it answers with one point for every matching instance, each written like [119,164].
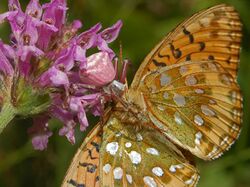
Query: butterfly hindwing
[197,105]
[212,34]
[84,168]
[144,157]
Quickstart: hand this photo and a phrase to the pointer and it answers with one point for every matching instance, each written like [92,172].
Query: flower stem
[7,113]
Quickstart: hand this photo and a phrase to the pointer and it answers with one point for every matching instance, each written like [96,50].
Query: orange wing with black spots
[84,168]
[212,34]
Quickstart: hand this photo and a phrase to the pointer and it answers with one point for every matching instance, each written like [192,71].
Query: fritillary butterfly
[184,98]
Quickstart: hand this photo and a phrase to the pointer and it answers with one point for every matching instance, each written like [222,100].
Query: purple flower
[7,50]
[85,41]
[55,13]
[55,73]
[54,77]
[40,132]
[14,5]
[34,9]
[108,36]
[6,15]
[26,40]
[66,117]
[5,65]
[76,25]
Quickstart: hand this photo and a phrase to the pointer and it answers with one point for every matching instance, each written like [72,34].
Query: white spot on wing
[190,181]
[225,79]
[165,95]
[128,144]
[213,152]
[118,172]
[225,141]
[157,171]
[198,120]
[161,108]
[165,79]
[112,148]
[129,178]
[212,101]
[118,134]
[190,80]
[106,168]
[152,151]
[183,70]
[207,111]
[149,181]
[199,91]
[135,157]
[179,100]
[173,168]
[234,128]
[236,113]
[234,96]
[198,137]
[177,118]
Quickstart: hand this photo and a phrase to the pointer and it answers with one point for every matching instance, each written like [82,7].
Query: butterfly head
[115,88]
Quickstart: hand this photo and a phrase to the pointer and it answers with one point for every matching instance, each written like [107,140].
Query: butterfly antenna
[125,65]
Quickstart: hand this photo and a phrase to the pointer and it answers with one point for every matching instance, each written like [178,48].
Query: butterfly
[184,99]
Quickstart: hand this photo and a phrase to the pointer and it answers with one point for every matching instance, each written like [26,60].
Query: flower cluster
[47,56]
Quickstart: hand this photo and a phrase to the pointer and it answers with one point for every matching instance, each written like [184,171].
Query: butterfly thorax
[130,105]
[131,109]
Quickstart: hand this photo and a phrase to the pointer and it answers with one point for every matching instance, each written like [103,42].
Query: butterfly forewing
[84,168]
[213,34]
[196,104]
[142,157]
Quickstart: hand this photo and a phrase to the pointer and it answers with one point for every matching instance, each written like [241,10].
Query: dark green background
[145,23]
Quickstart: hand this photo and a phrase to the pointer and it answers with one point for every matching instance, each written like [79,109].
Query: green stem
[7,113]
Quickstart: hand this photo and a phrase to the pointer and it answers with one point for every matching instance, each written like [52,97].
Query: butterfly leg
[125,64]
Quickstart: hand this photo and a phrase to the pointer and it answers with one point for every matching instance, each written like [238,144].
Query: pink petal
[34,9]
[40,132]
[111,33]
[14,5]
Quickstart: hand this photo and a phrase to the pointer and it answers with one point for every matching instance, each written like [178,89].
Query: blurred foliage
[145,23]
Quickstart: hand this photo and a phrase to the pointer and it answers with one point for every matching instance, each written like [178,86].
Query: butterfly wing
[198,105]
[144,157]
[214,34]
[84,168]
[189,84]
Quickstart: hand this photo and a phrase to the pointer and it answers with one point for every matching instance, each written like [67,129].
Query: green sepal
[7,113]
[29,100]
[7,110]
